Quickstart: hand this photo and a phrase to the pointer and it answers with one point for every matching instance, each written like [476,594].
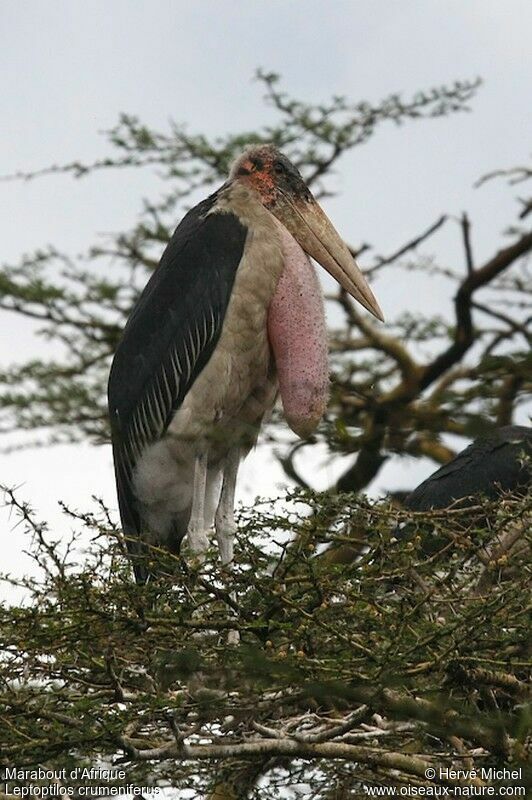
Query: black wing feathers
[490,464]
[169,338]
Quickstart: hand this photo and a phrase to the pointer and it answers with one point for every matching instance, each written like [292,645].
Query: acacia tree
[347,673]
[347,676]
[387,395]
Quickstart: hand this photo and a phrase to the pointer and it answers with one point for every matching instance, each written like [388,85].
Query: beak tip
[369,301]
[378,314]
[315,233]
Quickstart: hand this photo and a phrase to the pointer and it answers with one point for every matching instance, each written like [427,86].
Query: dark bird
[232,315]
[494,463]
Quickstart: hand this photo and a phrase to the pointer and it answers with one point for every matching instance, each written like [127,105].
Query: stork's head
[283,191]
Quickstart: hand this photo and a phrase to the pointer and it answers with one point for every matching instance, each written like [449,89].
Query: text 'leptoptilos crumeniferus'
[232,315]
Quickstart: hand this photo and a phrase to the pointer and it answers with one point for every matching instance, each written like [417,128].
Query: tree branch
[463,337]
[411,245]
[410,765]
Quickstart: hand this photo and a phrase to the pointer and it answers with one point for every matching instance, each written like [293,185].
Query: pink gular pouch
[298,337]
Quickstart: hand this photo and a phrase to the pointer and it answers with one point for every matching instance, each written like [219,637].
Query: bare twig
[384,261]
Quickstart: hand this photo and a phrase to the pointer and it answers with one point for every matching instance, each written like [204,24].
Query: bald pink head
[282,190]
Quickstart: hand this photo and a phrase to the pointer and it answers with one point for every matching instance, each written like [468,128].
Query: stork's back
[500,461]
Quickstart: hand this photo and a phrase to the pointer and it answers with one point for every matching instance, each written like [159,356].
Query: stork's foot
[233,637]
[197,536]
[225,527]
[198,541]
[224,521]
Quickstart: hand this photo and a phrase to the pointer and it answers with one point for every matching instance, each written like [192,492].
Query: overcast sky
[69,67]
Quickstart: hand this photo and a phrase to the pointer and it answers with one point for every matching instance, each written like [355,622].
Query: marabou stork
[232,315]
[498,461]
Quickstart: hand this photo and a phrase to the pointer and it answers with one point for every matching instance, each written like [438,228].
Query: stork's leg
[197,536]
[224,521]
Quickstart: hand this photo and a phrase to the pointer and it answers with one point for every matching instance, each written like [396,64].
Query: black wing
[169,338]
[492,463]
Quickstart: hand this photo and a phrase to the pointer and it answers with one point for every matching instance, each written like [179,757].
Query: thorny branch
[432,651]
[341,671]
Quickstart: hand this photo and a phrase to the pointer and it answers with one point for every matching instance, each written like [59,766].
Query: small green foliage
[335,614]
[396,655]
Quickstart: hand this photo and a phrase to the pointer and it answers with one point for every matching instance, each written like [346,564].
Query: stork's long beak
[313,230]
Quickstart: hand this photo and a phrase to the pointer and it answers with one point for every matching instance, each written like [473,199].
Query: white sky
[68,68]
